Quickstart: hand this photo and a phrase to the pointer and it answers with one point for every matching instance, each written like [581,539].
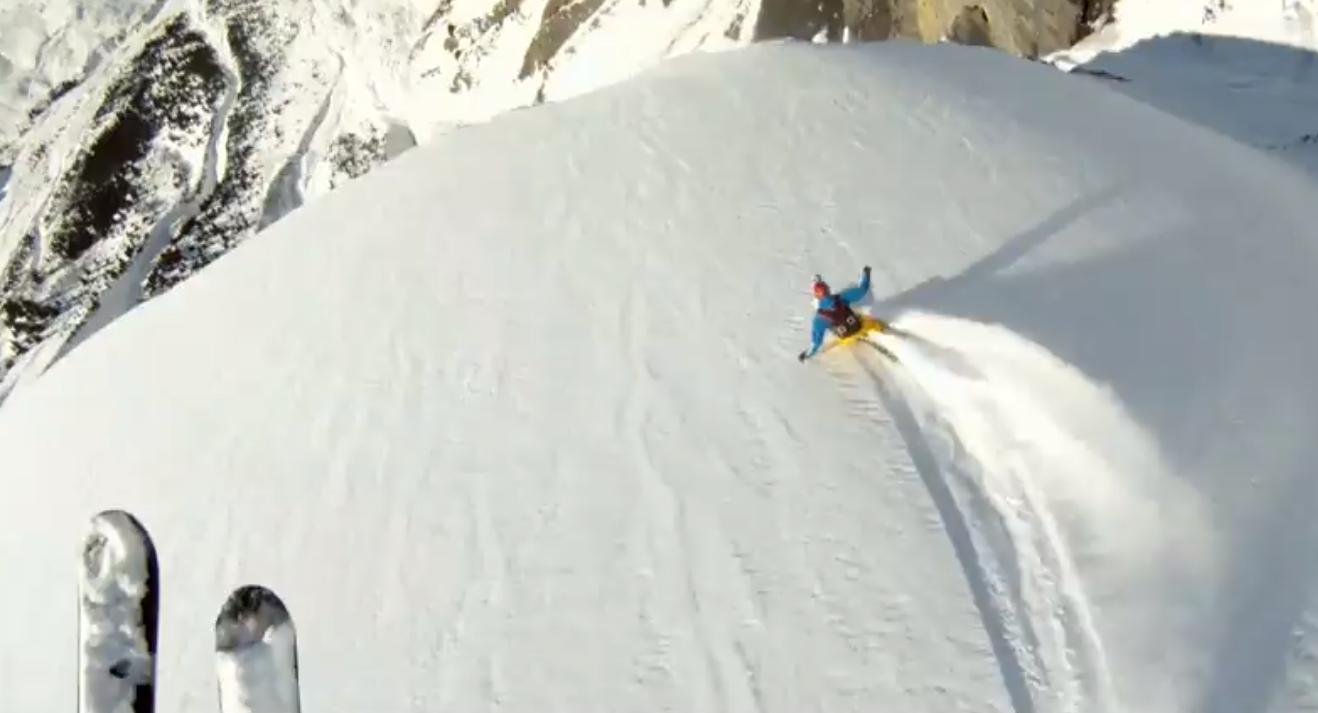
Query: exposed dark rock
[734,28]
[561,19]
[168,89]
[55,95]
[869,21]
[174,75]
[26,320]
[802,20]
[353,155]
[1025,27]
[471,34]
[1094,13]
[104,183]
[18,273]
[256,37]
[1029,28]
[971,27]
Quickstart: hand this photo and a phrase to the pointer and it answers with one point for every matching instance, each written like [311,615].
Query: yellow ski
[868,326]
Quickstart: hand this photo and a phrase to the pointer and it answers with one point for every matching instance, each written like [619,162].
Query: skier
[833,312]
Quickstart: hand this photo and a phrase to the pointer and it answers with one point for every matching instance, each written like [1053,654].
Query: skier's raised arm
[855,294]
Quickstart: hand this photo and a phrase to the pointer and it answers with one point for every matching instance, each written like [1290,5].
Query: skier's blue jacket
[849,296]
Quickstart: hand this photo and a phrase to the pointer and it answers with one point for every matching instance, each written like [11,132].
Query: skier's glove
[866,270]
[801,357]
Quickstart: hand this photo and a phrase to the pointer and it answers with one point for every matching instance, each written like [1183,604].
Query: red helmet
[820,288]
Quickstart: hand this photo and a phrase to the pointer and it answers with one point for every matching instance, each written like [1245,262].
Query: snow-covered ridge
[1262,94]
[1244,69]
[187,126]
[1292,23]
[112,198]
[551,401]
[148,138]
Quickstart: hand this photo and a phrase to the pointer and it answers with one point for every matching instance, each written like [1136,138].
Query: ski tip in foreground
[118,615]
[118,565]
[119,520]
[247,615]
[117,541]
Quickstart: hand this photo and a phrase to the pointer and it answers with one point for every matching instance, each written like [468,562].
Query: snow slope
[530,434]
[1245,69]
[145,138]
[142,139]
[1262,94]
[1292,23]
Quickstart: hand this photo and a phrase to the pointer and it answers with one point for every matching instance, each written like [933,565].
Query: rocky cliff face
[169,132]
[1029,28]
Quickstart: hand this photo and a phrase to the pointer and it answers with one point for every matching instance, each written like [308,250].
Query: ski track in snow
[556,416]
[1033,605]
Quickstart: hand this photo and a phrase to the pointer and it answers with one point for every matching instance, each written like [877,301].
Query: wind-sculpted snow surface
[538,426]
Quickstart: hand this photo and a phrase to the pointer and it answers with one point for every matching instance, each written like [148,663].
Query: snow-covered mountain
[515,421]
[141,139]
[1245,69]
[1281,22]
[1261,94]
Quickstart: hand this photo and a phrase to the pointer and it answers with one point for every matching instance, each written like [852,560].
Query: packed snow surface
[515,421]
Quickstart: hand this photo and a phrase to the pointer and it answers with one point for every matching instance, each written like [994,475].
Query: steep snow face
[1292,23]
[148,137]
[515,420]
[1259,93]
[1244,69]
